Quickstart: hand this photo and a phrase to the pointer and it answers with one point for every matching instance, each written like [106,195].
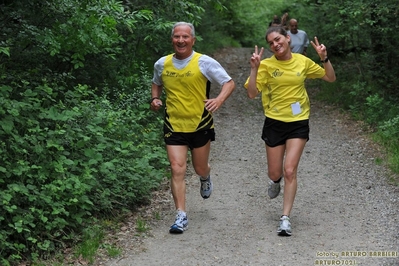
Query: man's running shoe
[285,226]
[206,187]
[181,223]
[274,189]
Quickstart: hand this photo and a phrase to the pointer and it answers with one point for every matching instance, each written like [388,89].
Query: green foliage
[77,138]
[361,46]
[91,242]
[5,50]
[112,250]
[389,132]
[141,225]
[248,20]
[89,29]
[64,161]
[388,136]
[375,109]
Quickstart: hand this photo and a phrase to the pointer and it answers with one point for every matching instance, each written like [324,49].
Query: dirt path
[345,209]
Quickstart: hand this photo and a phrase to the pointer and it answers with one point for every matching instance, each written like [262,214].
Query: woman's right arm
[252,90]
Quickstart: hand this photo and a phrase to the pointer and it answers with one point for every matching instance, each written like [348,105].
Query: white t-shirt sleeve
[213,71]
[158,68]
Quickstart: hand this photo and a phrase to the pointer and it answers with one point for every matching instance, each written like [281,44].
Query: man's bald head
[293,26]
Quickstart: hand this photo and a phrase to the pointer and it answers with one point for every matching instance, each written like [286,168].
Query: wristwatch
[325,60]
[153,98]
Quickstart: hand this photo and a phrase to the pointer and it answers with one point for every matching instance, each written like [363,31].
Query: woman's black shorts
[276,133]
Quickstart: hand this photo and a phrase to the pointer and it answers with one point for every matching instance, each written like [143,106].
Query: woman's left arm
[330,73]
[322,52]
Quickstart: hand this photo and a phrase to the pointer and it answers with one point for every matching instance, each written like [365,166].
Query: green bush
[77,139]
[63,161]
[389,132]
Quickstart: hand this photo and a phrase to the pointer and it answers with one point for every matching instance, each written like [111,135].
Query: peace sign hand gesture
[256,57]
[320,48]
[322,52]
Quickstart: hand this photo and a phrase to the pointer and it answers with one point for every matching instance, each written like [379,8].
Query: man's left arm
[216,74]
[214,104]
[226,91]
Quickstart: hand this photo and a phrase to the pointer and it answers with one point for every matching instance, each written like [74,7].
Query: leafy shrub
[389,131]
[63,161]
[376,109]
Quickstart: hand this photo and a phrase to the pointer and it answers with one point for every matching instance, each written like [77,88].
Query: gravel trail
[346,210]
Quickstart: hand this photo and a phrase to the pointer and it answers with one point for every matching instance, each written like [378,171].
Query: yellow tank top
[186,89]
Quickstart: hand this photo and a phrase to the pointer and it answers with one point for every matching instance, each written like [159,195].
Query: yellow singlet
[186,90]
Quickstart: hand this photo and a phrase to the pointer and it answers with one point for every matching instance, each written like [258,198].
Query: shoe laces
[205,184]
[180,217]
[285,219]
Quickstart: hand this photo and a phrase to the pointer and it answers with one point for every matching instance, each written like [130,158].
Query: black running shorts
[276,133]
[192,140]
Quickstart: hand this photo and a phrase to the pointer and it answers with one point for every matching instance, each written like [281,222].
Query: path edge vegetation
[79,150]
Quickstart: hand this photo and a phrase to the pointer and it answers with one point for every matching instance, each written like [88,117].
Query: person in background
[299,38]
[279,22]
[281,80]
[275,22]
[186,77]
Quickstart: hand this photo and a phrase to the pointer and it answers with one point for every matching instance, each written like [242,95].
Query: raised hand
[256,57]
[320,48]
[284,19]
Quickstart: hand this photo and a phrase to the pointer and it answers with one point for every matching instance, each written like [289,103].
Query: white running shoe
[181,223]
[285,226]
